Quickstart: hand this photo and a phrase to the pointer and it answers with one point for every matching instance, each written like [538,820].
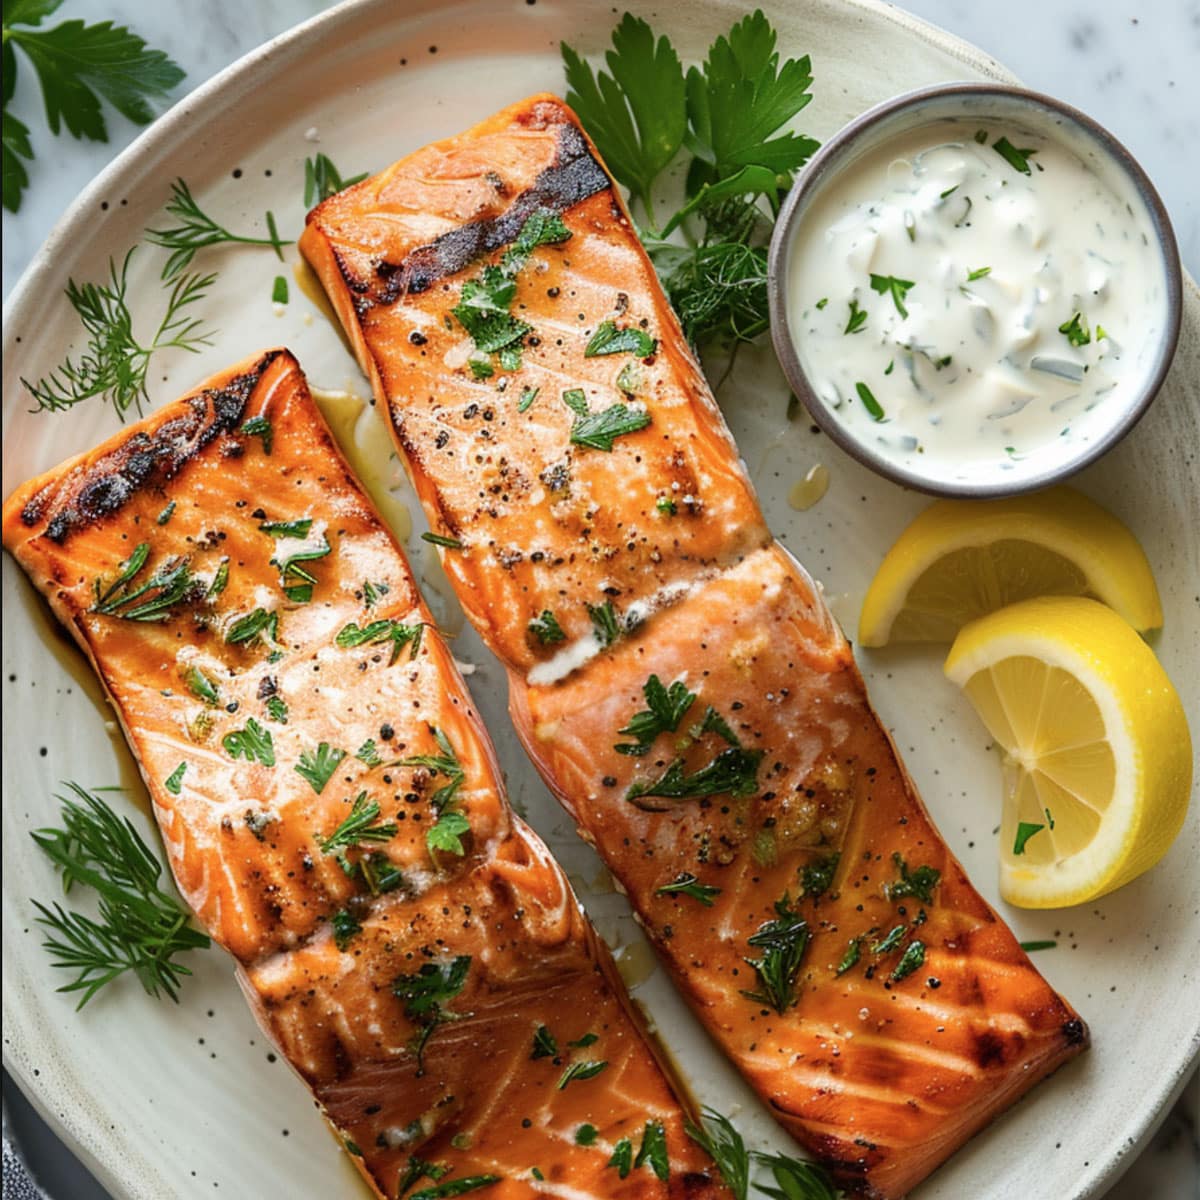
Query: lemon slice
[1097,754]
[961,559]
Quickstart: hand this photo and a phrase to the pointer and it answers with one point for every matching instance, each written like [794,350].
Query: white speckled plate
[164,1101]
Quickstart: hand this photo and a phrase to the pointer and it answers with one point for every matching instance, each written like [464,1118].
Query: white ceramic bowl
[1030,112]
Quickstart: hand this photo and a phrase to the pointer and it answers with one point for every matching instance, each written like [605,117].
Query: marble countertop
[1133,66]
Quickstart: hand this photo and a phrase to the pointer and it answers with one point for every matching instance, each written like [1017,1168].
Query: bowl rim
[822,168]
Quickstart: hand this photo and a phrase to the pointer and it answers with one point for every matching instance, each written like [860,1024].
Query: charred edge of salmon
[574,176]
[143,459]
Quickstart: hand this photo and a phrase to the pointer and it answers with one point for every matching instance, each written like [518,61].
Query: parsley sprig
[729,114]
[114,363]
[446,833]
[140,928]
[78,67]
[425,995]
[665,708]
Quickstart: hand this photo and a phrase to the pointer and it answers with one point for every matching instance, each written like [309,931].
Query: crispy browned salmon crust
[450,1007]
[675,676]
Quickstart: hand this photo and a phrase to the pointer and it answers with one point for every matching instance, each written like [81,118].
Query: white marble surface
[1134,66]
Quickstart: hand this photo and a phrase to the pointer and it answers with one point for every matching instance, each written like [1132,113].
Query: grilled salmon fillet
[674,675]
[332,808]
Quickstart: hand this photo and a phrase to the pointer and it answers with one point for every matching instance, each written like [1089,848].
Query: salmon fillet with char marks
[674,675]
[406,978]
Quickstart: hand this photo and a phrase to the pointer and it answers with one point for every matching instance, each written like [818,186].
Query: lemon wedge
[961,559]
[1097,754]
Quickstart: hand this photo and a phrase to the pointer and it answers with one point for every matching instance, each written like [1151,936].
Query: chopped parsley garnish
[857,319]
[1076,330]
[605,625]
[608,339]
[201,686]
[481,367]
[978,274]
[919,883]
[580,1070]
[345,926]
[782,941]
[368,753]
[1017,159]
[373,592]
[653,1152]
[898,289]
[279,290]
[910,960]
[1030,947]
[484,309]
[277,709]
[622,1157]
[377,632]
[820,304]
[631,379]
[288,565]
[317,766]
[817,877]
[852,955]
[378,872]
[153,599]
[734,771]
[546,628]
[138,928]
[362,825]
[585,1135]
[253,743]
[544,1045]
[174,782]
[450,825]
[869,402]
[248,628]
[580,1043]
[528,396]
[322,179]
[666,506]
[599,430]
[688,885]
[1025,830]
[438,539]
[426,993]
[418,1168]
[260,427]
[890,940]
[166,514]
[665,708]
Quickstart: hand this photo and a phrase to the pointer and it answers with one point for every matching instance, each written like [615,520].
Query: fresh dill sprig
[198,230]
[115,363]
[140,927]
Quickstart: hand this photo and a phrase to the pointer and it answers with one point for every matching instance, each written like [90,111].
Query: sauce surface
[971,296]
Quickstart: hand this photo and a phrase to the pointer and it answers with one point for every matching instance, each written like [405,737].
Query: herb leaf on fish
[782,941]
[425,995]
[665,708]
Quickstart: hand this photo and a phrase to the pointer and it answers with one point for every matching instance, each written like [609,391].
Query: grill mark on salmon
[455,1084]
[880,1067]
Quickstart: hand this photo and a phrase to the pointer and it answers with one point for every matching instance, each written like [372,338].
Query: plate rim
[158,136]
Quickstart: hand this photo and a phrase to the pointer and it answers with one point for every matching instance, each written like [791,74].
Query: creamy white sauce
[1031,302]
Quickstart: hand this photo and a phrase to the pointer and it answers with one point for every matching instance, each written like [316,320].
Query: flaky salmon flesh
[333,812]
[674,675]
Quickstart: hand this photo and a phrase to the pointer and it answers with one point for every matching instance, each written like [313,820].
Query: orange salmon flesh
[445,998]
[675,676]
